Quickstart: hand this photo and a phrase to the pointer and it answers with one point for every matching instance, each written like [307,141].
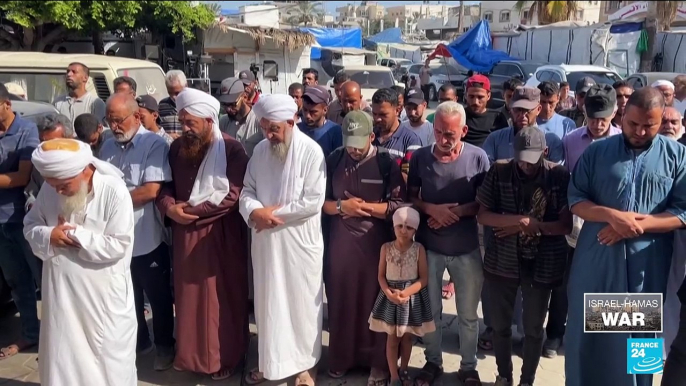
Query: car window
[149,81]
[445,70]
[40,87]
[602,77]
[415,69]
[543,76]
[371,79]
[502,69]
[384,62]
[556,77]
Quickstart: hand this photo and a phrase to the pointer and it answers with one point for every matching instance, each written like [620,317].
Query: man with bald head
[630,191]
[82,227]
[350,99]
[671,126]
[282,199]
[142,156]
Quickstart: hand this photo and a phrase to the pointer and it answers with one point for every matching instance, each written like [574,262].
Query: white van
[42,75]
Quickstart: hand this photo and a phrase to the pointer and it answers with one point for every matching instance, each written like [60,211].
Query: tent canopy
[474,49]
[391,35]
[334,37]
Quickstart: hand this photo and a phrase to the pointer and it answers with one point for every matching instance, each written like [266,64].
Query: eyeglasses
[117,122]
[520,110]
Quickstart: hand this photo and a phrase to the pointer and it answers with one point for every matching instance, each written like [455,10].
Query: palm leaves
[305,13]
[549,12]
[666,13]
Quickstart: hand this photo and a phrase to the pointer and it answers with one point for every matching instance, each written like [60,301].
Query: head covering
[275,108]
[317,94]
[148,102]
[406,216]
[246,77]
[210,183]
[661,83]
[414,96]
[529,145]
[230,90]
[584,84]
[479,81]
[65,158]
[526,98]
[600,101]
[357,127]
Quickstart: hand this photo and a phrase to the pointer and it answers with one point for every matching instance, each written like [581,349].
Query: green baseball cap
[357,127]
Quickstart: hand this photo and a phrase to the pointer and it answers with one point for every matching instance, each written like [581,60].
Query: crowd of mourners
[202,209]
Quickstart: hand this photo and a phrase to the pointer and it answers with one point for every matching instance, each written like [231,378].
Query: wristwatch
[339,208]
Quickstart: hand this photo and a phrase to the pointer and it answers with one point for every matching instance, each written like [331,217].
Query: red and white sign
[640,8]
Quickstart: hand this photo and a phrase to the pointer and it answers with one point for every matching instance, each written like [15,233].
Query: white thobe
[287,260]
[88,331]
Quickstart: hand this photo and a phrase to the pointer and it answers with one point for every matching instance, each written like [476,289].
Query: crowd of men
[110,205]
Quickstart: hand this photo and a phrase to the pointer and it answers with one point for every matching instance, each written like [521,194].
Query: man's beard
[194,148]
[75,203]
[280,150]
[125,136]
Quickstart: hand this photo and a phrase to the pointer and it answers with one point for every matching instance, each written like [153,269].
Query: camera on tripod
[254,68]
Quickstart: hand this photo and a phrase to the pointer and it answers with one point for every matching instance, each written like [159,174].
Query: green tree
[549,12]
[37,24]
[306,13]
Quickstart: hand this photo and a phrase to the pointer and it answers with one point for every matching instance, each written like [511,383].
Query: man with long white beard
[281,201]
[210,245]
[81,226]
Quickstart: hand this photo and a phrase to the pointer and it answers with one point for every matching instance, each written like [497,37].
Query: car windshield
[530,68]
[445,70]
[371,78]
[602,77]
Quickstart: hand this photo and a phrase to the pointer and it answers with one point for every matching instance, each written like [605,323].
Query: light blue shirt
[143,159]
[558,125]
[499,146]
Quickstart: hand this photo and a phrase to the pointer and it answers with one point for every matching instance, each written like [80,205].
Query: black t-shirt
[481,125]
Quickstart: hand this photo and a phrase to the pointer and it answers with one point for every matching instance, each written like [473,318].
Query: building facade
[370,11]
[503,16]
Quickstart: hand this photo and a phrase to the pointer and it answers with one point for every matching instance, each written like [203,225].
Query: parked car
[504,71]
[370,79]
[644,79]
[572,73]
[440,75]
[33,111]
[393,62]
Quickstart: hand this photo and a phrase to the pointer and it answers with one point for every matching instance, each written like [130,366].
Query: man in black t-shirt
[481,121]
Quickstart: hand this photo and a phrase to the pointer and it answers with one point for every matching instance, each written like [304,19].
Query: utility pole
[651,28]
[461,18]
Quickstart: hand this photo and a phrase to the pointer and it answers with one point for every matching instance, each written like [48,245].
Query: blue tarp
[334,37]
[474,49]
[391,35]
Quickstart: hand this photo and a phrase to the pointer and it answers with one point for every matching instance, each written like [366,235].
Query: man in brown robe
[364,187]
[210,256]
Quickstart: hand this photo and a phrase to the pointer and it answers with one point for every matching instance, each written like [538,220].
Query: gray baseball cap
[526,98]
[230,90]
[357,127]
[584,84]
[529,145]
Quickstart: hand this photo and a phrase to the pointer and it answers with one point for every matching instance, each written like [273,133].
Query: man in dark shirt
[577,113]
[314,123]
[524,200]
[509,88]
[310,77]
[624,90]
[481,120]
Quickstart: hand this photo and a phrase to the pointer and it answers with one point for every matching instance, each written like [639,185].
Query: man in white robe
[281,201]
[81,226]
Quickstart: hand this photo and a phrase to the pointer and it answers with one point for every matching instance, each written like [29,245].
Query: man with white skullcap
[81,226]
[282,201]
[209,240]
[666,88]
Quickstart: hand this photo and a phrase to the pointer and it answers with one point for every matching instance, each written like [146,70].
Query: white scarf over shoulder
[210,183]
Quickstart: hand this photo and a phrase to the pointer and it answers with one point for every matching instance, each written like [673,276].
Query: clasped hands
[58,236]
[443,215]
[528,226]
[623,225]
[355,207]
[397,296]
[264,218]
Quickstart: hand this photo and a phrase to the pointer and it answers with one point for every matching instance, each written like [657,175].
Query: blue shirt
[329,136]
[17,144]
[558,125]
[498,146]
[145,158]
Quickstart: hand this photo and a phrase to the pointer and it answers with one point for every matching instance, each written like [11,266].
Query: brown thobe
[210,265]
[354,263]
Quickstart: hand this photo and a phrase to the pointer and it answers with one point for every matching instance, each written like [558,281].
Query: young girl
[402,308]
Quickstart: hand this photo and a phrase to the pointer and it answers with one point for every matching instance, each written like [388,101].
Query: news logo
[625,313]
[644,356]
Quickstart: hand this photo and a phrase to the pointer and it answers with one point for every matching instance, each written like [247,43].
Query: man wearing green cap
[363,188]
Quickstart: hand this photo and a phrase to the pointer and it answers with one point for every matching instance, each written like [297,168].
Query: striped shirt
[169,116]
[73,107]
[505,191]
[400,145]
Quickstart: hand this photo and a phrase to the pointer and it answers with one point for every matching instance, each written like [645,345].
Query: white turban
[210,183]
[275,108]
[66,158]
[660,83]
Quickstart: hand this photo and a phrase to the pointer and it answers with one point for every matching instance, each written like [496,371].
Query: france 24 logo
[644,356]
